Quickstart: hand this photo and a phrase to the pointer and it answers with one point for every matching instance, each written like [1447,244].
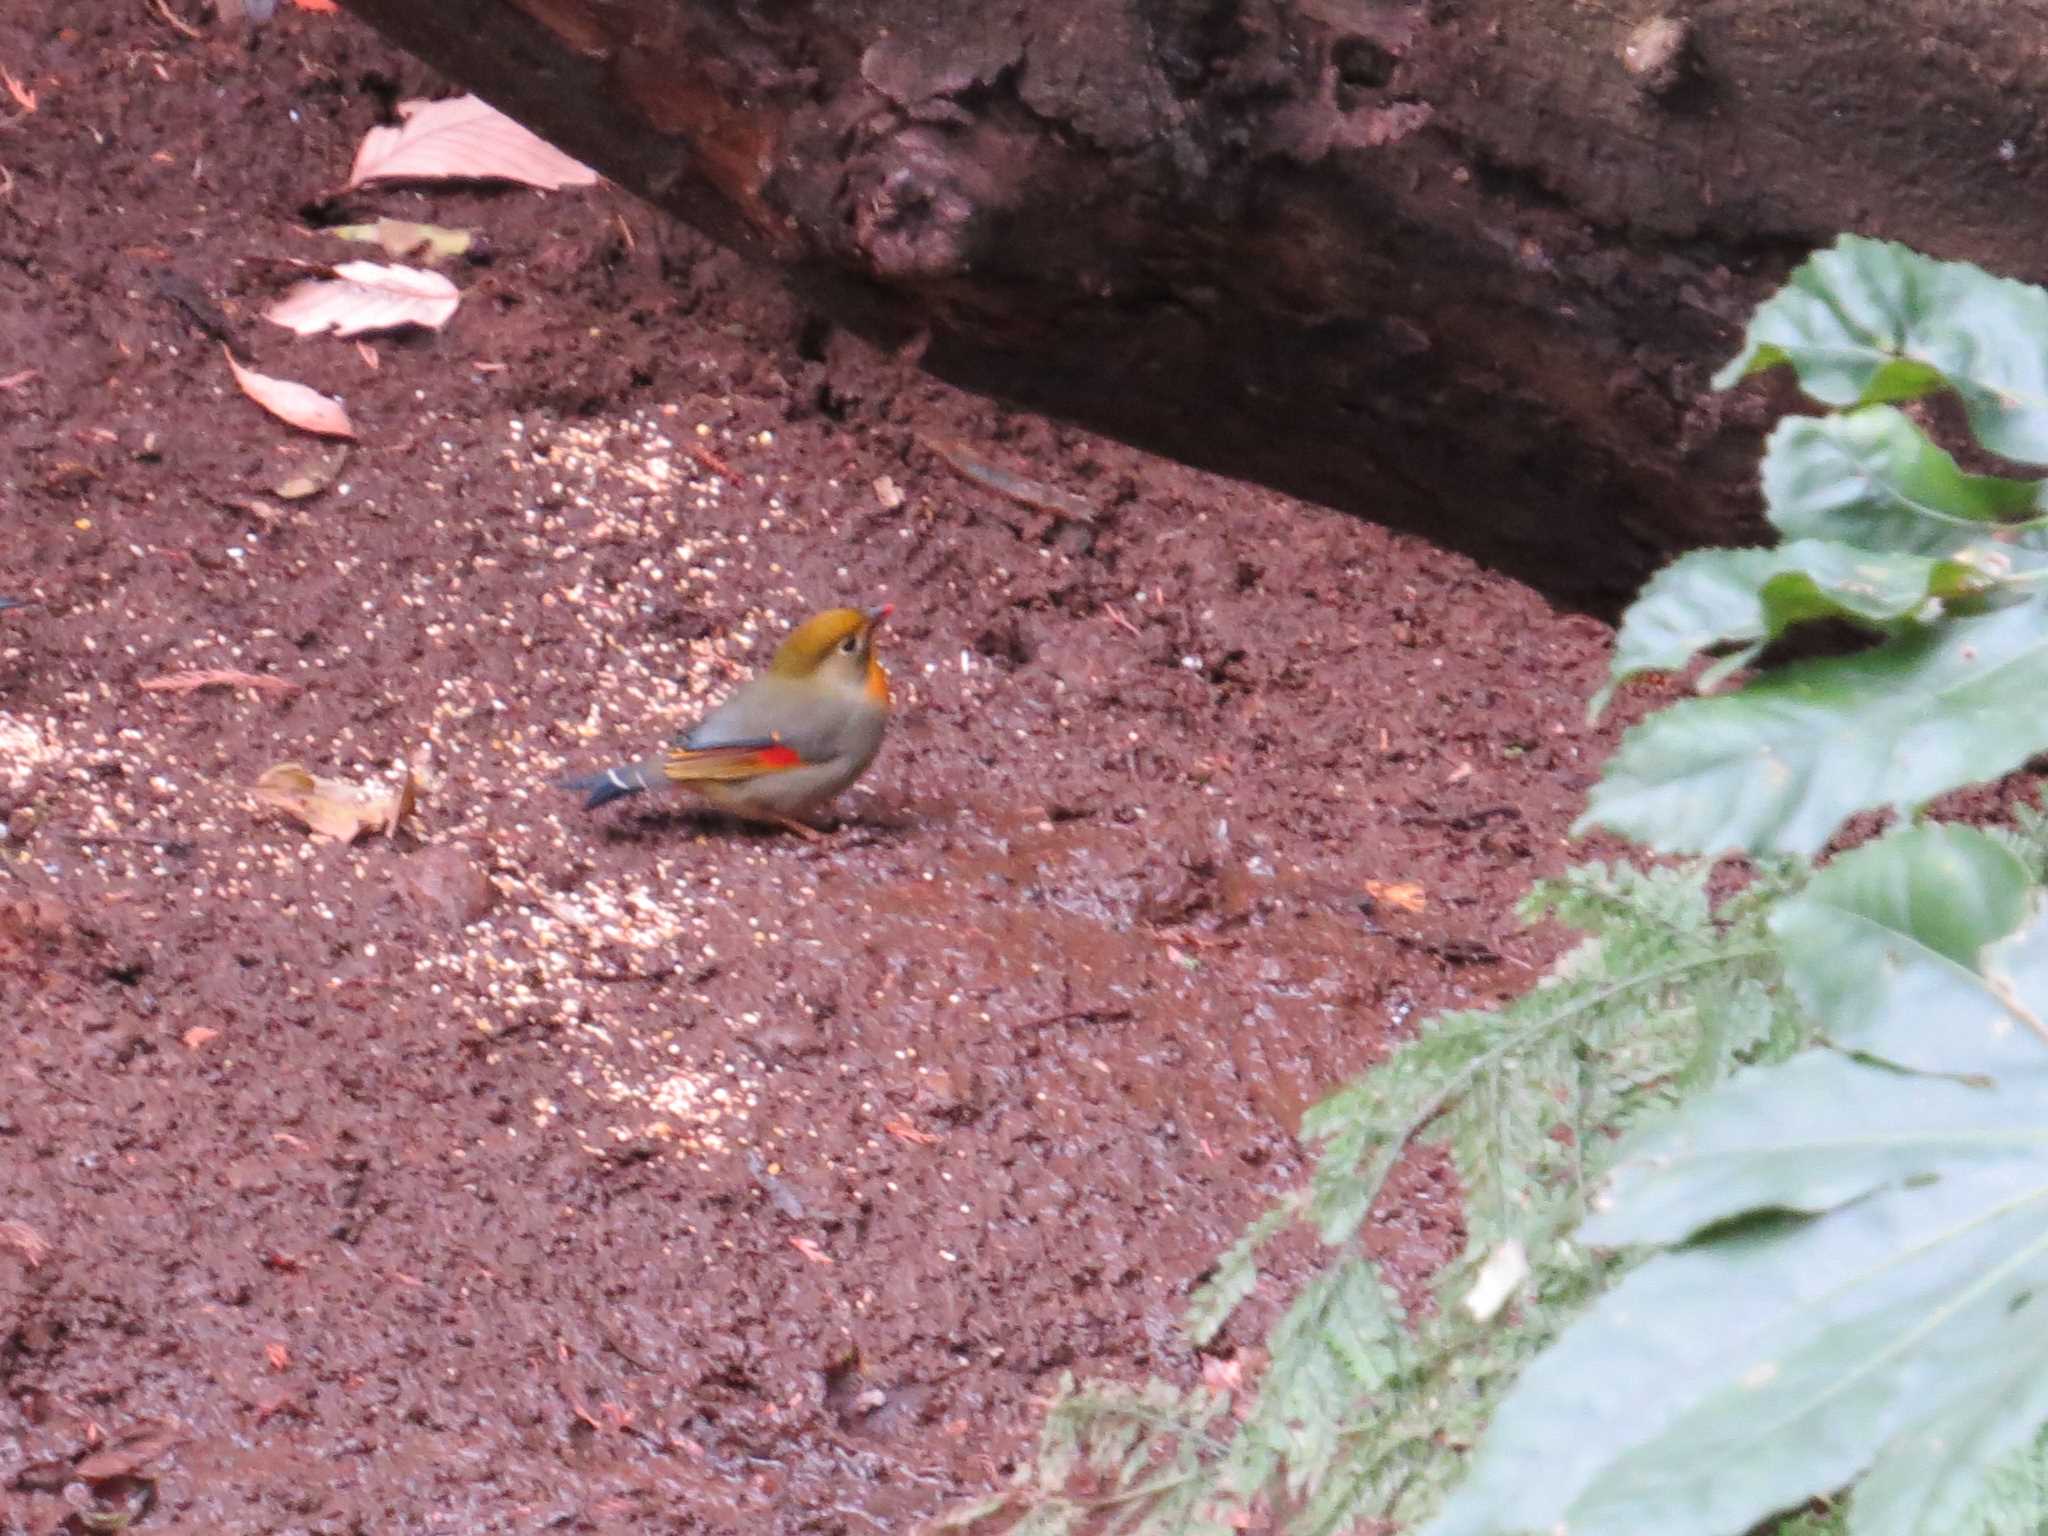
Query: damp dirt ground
[532,1169]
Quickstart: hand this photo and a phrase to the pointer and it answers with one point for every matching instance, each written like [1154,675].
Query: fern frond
[1363,1414]
[1236,1273]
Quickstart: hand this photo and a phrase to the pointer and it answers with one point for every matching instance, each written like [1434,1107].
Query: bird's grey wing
[763,713]
[725,726]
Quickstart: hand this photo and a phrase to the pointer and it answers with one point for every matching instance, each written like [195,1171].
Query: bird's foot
[800,828]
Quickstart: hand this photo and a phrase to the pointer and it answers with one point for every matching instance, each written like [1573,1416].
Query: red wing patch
[739,760]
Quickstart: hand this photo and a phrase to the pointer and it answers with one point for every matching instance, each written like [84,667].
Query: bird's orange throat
[878,684]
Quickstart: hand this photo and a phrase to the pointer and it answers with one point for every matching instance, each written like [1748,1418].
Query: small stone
[1658,52]
[448,884]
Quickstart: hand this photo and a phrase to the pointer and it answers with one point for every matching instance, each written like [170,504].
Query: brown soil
[533,1169]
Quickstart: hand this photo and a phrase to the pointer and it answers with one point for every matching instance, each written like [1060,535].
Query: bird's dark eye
[850,644]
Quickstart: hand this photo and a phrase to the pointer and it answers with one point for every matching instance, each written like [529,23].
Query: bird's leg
[801,829]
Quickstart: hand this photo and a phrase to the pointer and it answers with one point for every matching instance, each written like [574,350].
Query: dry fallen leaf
[466,139]
[365,296]
[303,407]
[331,808]
[903,1130]
[1220,1375]
[1406,895]
[24,98]
[405,241]
[810,1250]
[130,1451]
[26,1241]
[190,682]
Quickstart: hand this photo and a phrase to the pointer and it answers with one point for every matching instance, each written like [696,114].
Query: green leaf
[1816,579]
[1888,945]
[1778,1358]
[1721,597]
[1810,1136]
[2015,1497]
[1780,765]
[1866,1248]
[1931,1478]
[1872,479]
[1868,321]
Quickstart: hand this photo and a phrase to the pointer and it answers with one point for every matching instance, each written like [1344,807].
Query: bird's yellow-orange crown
[812,641]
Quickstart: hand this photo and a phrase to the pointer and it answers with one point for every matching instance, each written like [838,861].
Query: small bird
[786,741]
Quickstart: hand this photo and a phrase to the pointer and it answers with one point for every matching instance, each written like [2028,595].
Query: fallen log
[1462,266]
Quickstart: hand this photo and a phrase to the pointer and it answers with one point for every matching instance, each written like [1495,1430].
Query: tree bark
[1462,266]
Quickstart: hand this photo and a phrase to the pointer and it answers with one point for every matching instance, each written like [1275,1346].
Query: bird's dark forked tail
[612,784]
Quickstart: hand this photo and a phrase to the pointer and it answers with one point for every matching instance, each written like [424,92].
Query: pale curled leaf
[332,808]
[1499,1278]
[463,138]
[365,296]
[301,406]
